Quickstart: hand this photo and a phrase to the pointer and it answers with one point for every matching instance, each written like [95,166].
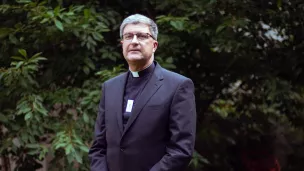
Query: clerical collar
[143,72]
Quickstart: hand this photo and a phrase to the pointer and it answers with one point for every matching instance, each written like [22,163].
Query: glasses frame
[135,34]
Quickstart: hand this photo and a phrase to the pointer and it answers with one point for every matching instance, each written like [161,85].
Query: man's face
[138,48]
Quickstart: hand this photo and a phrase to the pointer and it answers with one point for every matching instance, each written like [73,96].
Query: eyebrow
[135,32]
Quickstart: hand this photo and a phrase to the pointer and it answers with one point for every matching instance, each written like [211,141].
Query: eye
[142,36]
[128,36]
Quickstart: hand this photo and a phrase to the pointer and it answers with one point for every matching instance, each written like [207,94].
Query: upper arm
[183,98]
[183,117]
[101,112]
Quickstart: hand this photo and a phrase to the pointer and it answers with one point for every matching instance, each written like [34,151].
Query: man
[147,116]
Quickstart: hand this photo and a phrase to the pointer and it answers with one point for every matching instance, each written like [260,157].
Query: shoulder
[174,77]
[180,85]
[115,79]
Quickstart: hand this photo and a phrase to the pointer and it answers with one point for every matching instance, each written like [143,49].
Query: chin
[135,58]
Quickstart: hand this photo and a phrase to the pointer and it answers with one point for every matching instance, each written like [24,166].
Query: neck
[137,66]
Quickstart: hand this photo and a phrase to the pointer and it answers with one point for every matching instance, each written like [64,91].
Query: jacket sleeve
[182,128]
[98,150]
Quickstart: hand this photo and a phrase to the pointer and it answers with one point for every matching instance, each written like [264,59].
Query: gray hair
[138,18]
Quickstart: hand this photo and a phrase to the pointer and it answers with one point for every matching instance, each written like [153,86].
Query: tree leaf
[97,36]
[50,13]
[84,148]
[22,52]
[89,63]
[86,13]
[13,39]
[59,25]
[169,60]
[178,25]
[19,64]
[220,28]
[69,149]
[23,110]
[36,60]
[56,10]
[28,116]
[33,152]
[24,137]
[3,118]
[5,32]
[36,55]
[70,158]
[85,117]
[86,70]
[85,101]
[44,20]
[78,157]
[23,1]
[76,33]
[40,108]
[32,145]
[19,58]
[60,145]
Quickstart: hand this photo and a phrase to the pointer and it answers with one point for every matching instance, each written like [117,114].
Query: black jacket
[160,133]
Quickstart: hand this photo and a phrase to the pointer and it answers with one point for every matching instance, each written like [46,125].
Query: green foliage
[49,104]
[249,80]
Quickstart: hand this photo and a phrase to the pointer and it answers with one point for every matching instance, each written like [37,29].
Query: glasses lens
[142,36]
[128,36]
[139,36]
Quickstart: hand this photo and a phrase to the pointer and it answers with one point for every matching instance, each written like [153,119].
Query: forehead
[140,27]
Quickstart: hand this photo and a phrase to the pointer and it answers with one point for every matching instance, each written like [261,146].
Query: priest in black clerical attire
[147,117]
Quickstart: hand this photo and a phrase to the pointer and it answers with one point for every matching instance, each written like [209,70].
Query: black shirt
[135,84]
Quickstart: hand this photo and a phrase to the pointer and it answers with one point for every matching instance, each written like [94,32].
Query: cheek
[124,48]
[149,49]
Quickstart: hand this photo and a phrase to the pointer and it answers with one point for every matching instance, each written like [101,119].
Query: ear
[155,45]
[121,42]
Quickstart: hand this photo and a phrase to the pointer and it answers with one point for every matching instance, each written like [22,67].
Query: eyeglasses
[139,36]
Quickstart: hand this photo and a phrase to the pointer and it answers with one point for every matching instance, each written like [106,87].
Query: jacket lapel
[120,88]
[152,86]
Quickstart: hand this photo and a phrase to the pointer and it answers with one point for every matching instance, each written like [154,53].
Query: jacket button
[122,149]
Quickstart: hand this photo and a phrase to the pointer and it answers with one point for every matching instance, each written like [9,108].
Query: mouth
[134,50]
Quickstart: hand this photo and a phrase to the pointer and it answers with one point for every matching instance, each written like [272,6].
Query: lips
[134,50]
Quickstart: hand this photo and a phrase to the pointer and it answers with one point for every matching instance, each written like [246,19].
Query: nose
[134,40]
